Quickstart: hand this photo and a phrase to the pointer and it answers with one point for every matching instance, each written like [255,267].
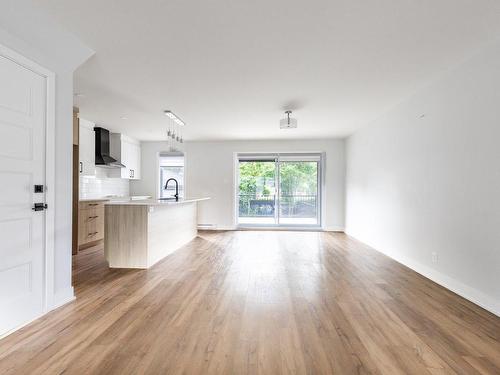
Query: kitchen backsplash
[102,185]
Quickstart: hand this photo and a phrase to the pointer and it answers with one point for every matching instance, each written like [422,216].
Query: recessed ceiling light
[124,118]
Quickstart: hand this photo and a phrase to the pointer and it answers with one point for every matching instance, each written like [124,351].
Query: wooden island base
[139,234]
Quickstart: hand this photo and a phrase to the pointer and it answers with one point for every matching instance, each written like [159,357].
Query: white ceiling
[229,68]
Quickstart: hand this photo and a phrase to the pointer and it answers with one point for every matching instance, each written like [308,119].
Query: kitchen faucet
[176,187]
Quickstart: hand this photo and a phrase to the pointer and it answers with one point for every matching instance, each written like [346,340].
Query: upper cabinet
[135,160]
[87,148]
[128,152]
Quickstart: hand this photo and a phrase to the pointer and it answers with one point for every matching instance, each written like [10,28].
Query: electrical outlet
[435,257]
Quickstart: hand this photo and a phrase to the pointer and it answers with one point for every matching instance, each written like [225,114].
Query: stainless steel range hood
[102,157]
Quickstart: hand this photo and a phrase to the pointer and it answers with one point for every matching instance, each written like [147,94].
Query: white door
[22,165]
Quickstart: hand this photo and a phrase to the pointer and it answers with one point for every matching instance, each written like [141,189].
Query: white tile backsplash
[102,185]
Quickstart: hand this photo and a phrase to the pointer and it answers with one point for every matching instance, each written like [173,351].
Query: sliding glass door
[298,193]
[279,190]
[257,191]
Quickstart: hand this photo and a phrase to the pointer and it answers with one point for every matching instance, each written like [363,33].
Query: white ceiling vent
[288,122]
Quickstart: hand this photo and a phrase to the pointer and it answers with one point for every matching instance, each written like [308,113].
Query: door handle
[39,207]
[81,167]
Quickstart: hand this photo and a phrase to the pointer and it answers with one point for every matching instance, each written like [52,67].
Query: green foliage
[256,176]
[296,178]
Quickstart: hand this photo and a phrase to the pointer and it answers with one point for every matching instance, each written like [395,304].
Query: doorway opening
[278,190]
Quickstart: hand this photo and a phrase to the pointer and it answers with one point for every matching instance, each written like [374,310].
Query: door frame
[277,226]
[50,120]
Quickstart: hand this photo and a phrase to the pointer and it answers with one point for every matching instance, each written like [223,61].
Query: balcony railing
[300,206]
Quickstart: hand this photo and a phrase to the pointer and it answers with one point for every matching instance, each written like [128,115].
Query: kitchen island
[140,233]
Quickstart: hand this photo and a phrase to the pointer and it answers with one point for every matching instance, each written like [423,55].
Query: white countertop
[94,200]
[154,202]
[116,198]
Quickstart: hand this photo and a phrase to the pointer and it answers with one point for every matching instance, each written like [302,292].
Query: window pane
[257,192]
[298,200]
[171,167]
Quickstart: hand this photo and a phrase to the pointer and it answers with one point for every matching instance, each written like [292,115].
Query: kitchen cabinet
[86,148]
[128,152]
[136,234]
[135,160]
[90,222]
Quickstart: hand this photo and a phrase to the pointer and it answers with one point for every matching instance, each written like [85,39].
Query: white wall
[29,32]
[148,184]
[210,167]
[418,185]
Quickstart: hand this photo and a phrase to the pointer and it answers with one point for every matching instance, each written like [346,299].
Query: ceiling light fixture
[288,122]
[174,117]
[174,133]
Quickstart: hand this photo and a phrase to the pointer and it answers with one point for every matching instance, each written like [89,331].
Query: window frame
[319,157]
[159,166]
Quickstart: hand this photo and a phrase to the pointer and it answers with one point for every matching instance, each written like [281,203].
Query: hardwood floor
[258,303]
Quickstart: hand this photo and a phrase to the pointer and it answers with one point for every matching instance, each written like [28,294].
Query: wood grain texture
[258,303]
[138,236]
[90,222]
[126,236]
[76,127]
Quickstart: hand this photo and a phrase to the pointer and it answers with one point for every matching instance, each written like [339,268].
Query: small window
[171,166]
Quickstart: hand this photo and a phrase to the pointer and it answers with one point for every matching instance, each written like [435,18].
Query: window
[171,166]
[279,190]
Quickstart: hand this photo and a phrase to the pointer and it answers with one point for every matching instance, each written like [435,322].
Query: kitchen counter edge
[154,202]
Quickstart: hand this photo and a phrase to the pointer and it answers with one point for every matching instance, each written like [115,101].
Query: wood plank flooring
[258,303]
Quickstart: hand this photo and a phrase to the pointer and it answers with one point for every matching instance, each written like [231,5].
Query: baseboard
[5,334]
[471,294]
[334,229]
[61,298]
[325,229]
[214,227]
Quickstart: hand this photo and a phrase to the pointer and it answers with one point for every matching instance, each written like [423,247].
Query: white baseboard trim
[334,229]
[59,299]
[5,334]
[326,229]
[471,294]
[62,297]
[214,227]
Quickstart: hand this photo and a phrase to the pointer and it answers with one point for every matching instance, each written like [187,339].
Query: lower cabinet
[90,222]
